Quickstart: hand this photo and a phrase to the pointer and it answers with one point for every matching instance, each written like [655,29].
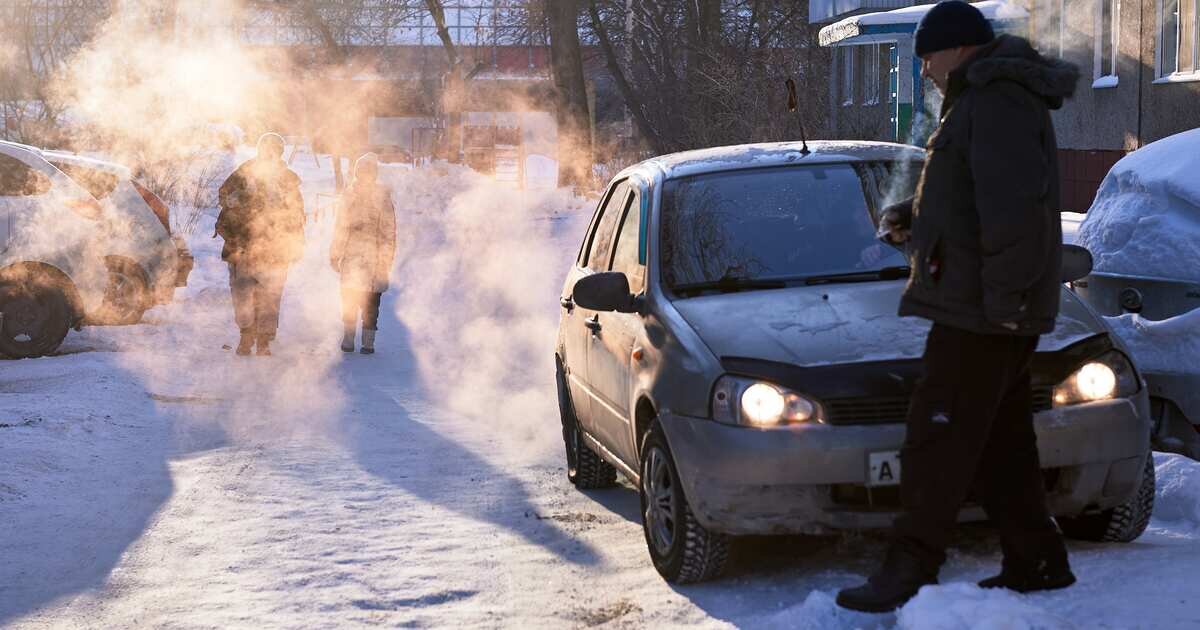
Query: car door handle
[593,323]
[566,303]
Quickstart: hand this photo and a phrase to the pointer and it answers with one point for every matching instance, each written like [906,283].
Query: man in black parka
[984,239]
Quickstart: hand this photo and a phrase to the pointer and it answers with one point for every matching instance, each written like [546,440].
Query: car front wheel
[682,550]
[34,319]
[1123,523]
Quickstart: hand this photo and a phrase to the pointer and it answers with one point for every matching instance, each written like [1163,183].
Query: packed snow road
[152,479]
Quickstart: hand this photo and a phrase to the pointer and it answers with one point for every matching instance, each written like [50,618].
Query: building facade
[1140,61]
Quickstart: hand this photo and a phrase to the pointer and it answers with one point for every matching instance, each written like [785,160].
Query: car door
[576,320]
[613,340]
[21,190]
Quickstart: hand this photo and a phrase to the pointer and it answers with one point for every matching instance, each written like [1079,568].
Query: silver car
[729,342]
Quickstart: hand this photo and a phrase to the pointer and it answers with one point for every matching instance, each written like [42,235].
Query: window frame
[1175,75]
[847,75]
[871,74]
[1099,78]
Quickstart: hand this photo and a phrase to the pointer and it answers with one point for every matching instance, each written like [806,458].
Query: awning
[888,26]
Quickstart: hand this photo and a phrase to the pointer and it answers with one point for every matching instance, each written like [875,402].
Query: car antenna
[792,107]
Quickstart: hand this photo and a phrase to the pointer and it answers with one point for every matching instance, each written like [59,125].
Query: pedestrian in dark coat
[985,256]
[262,223]
[363,250]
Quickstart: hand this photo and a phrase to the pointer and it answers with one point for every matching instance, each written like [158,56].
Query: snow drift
[1146,216]
[1177,497]
[1169,345]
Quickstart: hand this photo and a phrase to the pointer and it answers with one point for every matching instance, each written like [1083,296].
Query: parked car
[1144,230]
[145,262]
[729,342]
[52,271]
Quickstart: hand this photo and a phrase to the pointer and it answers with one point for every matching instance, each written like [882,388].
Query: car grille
[889,409]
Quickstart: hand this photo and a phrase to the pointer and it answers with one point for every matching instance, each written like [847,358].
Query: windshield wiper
[728,285]
[887,273]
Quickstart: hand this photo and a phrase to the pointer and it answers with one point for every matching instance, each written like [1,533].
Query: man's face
[937,66]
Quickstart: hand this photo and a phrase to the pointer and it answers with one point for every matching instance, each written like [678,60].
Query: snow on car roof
[742,156]
[1145,220]
[74,159]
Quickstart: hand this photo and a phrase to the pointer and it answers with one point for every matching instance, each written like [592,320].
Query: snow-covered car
[145,262]
[52,271]
[1143,230]
[729,342]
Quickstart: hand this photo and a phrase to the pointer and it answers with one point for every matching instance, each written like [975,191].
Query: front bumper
[807,479]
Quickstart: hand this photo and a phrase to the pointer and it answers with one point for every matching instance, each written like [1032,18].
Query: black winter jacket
[986,236]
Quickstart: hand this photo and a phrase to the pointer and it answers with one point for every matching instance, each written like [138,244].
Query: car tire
[126,298]
[1123,523]
[683,550]
[585,469]
[36,318]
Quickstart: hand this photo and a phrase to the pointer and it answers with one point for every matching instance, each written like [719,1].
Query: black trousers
[364,303]
[970,426]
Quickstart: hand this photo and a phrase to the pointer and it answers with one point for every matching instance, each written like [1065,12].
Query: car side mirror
[605,291]
[1076,263]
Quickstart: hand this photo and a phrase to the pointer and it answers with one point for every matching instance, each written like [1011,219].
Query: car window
[625,256]
[99,183]
[596,216]
[17,179]
[769,223]
[603,238]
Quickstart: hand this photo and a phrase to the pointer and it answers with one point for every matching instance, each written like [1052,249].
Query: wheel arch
[27,271]
[644,413]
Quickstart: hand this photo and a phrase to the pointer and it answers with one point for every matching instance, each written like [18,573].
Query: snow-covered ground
[152,479]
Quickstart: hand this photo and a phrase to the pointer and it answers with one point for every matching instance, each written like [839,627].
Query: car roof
[18,148]
[74,159]
[743,156]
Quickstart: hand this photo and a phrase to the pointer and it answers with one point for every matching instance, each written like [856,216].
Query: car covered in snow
[729,342]
[145,261]
[1143,230]
[52,271]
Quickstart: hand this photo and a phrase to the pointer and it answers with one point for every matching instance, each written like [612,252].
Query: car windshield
[748,228]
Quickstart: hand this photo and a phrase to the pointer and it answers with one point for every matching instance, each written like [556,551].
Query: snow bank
[956,606]
[1177,497]
[1169,345]
[1146,217]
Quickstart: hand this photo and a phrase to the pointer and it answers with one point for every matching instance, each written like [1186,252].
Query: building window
[1105,43]
[1178,41]
[894,73]
[847,75]
[870,64]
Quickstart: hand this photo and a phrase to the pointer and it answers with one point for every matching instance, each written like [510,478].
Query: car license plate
[883,468]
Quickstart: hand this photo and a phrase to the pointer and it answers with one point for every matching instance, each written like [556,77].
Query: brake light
[160,208]
[86,208]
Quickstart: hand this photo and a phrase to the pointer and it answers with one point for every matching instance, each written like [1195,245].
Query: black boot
[1033,563]
[1043,576]
[897,582]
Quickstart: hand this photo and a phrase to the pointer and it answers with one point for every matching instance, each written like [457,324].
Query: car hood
[832,324]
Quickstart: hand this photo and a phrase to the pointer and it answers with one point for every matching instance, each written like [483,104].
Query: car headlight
[1103,378]
[754,403]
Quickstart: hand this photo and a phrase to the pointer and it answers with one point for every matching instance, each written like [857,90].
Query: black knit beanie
[951,24]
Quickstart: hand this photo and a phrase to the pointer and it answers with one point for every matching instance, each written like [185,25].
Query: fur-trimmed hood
[1010,58]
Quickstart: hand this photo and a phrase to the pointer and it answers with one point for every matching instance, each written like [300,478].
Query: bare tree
[572,112]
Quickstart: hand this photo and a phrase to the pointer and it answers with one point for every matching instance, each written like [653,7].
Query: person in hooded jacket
[262,223]
[983,239]
[363,250]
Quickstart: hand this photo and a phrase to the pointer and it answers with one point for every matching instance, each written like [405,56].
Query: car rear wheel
[585,468]
[125,298]
[1123,523]
[683,550]
[34,319]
